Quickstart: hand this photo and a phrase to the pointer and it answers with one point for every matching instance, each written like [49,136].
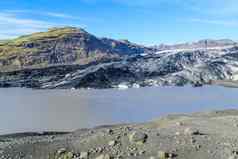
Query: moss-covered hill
[59,46]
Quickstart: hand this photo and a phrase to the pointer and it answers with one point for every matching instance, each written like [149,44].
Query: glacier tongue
[196,67]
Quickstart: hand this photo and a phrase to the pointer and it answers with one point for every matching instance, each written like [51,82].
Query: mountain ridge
[59,46]
[204,43]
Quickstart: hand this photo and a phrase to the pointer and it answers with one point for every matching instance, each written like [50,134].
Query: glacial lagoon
[24,110]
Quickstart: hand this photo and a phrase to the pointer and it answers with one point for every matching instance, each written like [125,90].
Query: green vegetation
[14,53]
[52,34]
[58,46]
[17,46]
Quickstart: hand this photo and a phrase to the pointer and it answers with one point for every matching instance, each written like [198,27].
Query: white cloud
[60,15]
[213,12]
[50,14]
[11,19]
[12,24]
[42,13]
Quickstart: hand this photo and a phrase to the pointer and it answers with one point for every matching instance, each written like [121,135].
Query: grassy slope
[16,46]
[58,46]
[14,52]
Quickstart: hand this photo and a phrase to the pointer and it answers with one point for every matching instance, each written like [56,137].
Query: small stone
[134,149]
[52,137]
[235,125]
[119,157]
[69,155]
[197,147]
[162,154]
[142,152]
[99,149]
[84,155]
[61,151]
[130,154]
[105,156]
[91,132]
[233,157]
[193,140]
[191,131]
[110,131]
[127,128]
[179,124]
[93,151]
[118,137]
[178,142]
[112,143]
[138,137]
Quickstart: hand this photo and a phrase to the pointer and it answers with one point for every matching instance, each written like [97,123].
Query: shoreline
[206,135]
[221,83]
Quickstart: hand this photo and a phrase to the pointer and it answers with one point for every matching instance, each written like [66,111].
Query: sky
[147,22]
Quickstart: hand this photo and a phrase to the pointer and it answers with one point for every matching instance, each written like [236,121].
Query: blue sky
[143,21]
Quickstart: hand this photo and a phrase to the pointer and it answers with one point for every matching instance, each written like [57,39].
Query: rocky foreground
[211,135]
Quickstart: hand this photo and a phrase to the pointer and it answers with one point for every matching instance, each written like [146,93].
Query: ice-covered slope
[178,68]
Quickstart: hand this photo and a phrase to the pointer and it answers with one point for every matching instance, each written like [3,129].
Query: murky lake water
[63,110]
